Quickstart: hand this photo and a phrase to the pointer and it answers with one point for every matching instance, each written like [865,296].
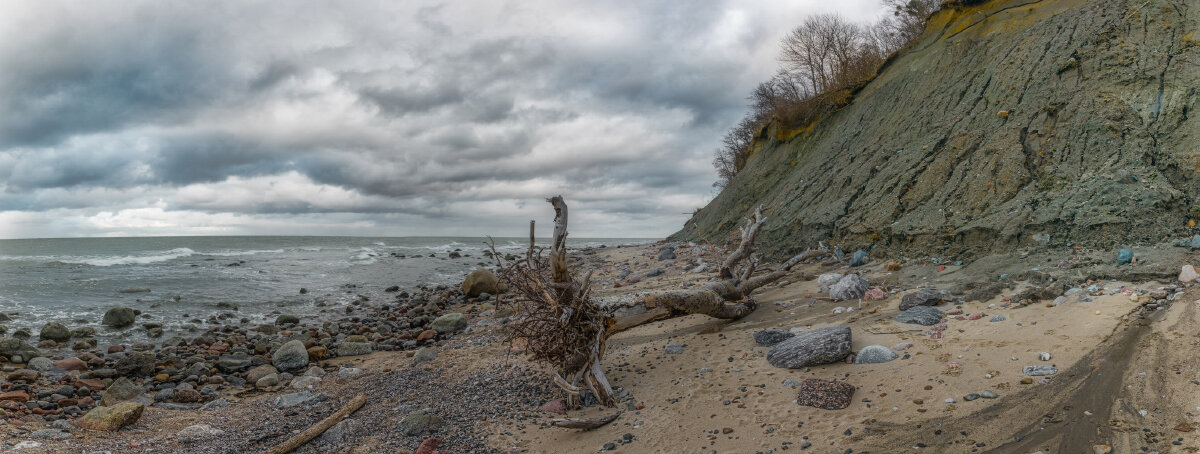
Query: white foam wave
[243,252]
[129,259]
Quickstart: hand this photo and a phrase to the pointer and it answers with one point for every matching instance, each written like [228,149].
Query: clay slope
[1009,123]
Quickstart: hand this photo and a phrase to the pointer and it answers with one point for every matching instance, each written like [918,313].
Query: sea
[180,282]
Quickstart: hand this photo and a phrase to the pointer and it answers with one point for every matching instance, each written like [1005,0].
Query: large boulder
[55,331]
[825,281]
[112,417]
[923,297]
[119,317]
[810,348]
[136,364]
[921,315]
[481,281]
[11,346]
[849,287]
[290,356]
[120,390]
[449,323]
[346,348]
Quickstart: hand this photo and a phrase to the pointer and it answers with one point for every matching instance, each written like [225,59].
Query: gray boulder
[290,356]
[827,280]
[136,364]
[810,348]
[11,346]
[353,348]
[481,281]
[423,355]
[770,337]
[923,297]
[419,422]
[875,354]
[859,258]
[921,315]
[41,364]
[119,317]
[55,331]
[449,323]
[121,389]
[1195,243]
[849,287]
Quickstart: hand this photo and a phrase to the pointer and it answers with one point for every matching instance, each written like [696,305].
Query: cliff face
[1009,123]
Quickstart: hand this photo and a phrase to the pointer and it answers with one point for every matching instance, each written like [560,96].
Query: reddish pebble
[941,267]
[428,446]
[426,335]
[639,406]
[116,348]
[556,406]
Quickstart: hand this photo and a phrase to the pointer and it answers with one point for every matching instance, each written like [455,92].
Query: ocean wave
[365,256]
[242,252]
[128,259]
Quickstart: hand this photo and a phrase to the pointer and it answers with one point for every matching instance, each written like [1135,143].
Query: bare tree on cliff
[568,328]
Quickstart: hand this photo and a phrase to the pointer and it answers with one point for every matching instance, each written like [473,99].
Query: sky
[411,118]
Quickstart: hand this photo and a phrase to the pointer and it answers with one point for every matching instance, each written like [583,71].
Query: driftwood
[301,438]
[568,329]
[585,423]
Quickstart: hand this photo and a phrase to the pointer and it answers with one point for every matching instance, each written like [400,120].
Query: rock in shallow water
[819,346]
[875,354]
[119,317]
[921,315]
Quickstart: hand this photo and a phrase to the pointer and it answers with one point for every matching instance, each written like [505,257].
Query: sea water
[190,279]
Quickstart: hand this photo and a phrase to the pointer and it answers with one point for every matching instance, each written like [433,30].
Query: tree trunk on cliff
[565,327]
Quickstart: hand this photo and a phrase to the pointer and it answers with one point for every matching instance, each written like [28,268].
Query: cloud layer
[371,118]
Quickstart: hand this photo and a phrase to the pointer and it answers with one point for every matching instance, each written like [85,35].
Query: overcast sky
[373,118]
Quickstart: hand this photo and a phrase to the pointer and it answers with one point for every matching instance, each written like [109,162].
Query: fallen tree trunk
[312,432]
[568,329]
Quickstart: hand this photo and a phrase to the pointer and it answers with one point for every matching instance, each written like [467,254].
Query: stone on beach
[111,418]
[449,323]
[850,286]
[353,348]
[874,354]
[11,346]
[923,297]
[290,356]
[825,281]
[859,258]
[770,337]
[481,281]
[921,315]
[815,347]
[419,422]
[1188,274]
[1039,370]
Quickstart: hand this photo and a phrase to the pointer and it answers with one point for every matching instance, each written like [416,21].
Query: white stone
[1188,274]
[1044,356]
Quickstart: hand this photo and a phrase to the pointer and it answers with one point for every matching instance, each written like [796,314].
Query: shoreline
[715,378]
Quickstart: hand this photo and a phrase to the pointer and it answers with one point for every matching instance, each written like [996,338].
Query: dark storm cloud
[132,116]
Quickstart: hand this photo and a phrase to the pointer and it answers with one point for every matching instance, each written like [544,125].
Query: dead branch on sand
[568,329]
[312,432]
